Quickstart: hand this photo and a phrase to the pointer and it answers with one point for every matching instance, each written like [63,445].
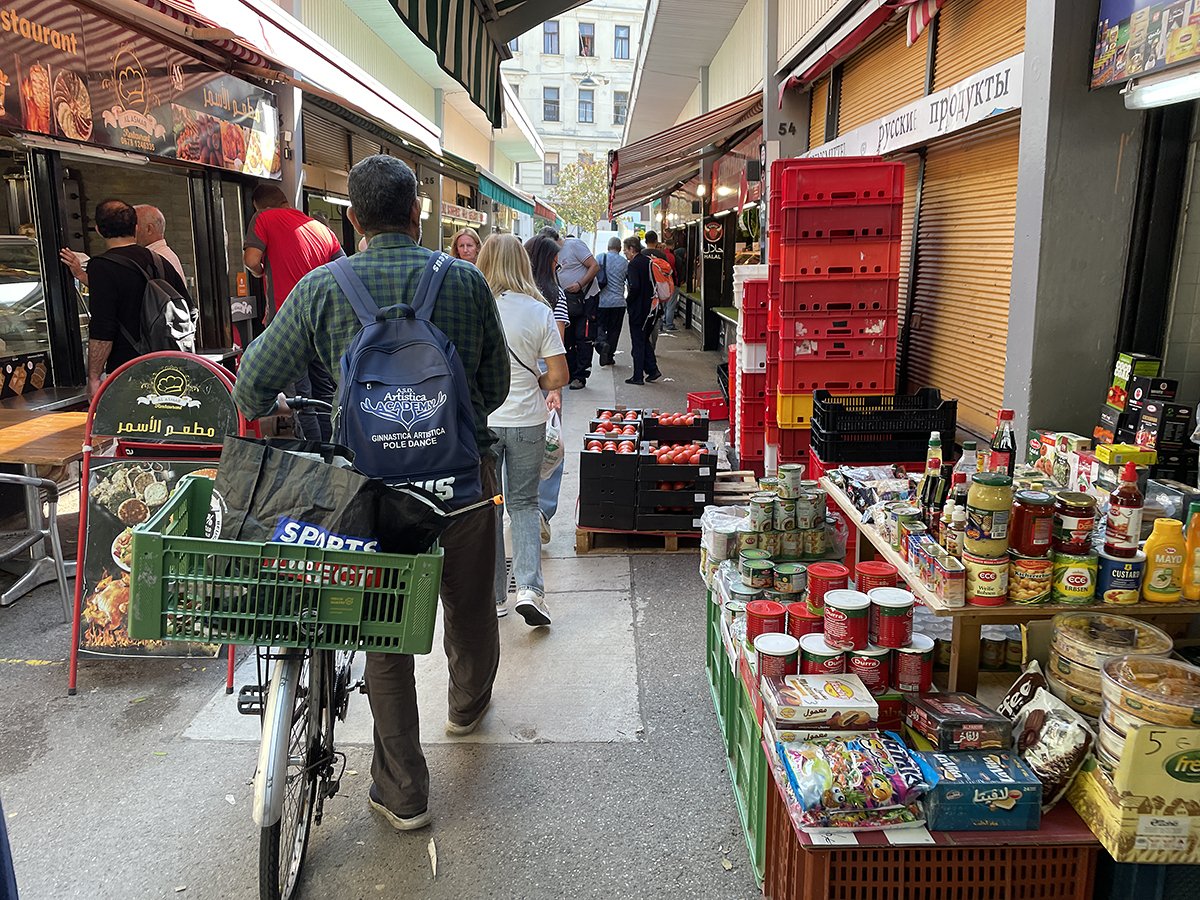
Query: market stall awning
[544,210]
[470,38]
[493,187]
[258,35]
[648,168]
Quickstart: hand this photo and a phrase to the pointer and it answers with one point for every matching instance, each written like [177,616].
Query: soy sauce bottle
[1003,456]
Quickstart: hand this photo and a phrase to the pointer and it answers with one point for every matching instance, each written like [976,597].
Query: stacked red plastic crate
[834,242]
[748,367]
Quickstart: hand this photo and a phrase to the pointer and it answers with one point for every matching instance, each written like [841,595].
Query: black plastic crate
[607,464]
[605,489]
[691,497]
[607,515]
[885,414]
[1145,881]
[872,448]
[685,522]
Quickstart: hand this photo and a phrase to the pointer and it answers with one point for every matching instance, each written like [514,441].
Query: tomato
[606,415]
[667,459]
[610,445]
[618,417]
[594,445]
[629,429]
[694,459]
[679,485]
[631,417]
[690,420]
[625,448]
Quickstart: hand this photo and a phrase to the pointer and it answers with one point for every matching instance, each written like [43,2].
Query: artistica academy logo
[405,407]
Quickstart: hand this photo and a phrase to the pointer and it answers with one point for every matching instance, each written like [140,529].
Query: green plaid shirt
[318,322]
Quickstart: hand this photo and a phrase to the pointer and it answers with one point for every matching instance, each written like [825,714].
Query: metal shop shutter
[883,76]
[959,331]
[973,34]
[816,117]
[362,147]
[912,171]
[326,143]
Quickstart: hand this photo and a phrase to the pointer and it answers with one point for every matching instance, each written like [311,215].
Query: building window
[517,173]
[514,45]
[621,42]
[587,39]
[587,105]
[550,37]
[620,107]
[550,169]
[550,104]
[586,159]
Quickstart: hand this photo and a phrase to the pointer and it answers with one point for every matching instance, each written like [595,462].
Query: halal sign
[714,231]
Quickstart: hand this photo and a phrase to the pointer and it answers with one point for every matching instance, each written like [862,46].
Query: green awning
[501,193]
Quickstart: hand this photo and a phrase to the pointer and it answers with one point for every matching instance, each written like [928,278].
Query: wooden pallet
[593,540]
[734,488]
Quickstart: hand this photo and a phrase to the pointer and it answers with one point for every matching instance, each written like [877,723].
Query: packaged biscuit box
[819,701]
[956,721]
[980,790]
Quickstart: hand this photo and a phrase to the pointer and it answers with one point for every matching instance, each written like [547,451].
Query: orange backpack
[664,279]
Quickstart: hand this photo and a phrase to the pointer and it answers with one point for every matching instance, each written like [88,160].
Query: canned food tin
[780,596]
[991,652]
[753,553]
[1029,578]
[734,609]
[1014,652]
[771,541]
[746,539]
[801,622]
[790,477]
[1119,580]
[764,617]
[743,593]
[724,542]
[769,484]
[762,512]
[903,516]
[942,652]
[824,577]
[810,511]
[912,666]
[813,543]
[1075,577]
[987,579]
[791,578]
[758,573]
[874,573]
[791,545]
[785,514]
[778,655]
[846,619]
[910,533]
[818,658]
[891,616]
[810,485]
[873,665]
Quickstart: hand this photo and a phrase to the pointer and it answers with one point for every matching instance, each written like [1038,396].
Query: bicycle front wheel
[283,845]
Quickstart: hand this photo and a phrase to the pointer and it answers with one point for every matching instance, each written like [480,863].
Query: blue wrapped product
[980,790]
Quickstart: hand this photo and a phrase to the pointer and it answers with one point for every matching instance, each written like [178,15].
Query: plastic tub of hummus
[1159,691]
[1090,638]
[1074,674]
[1085,702]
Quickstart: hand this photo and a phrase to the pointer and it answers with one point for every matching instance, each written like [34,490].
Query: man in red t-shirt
[286,245]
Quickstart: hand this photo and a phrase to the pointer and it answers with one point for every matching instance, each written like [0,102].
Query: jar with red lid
[1032,525]
[1074,521]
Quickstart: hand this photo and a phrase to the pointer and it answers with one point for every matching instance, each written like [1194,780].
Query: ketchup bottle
[1123,528]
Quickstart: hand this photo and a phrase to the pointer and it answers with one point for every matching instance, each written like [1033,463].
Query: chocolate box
[1164,426]
[1112,421]
[1142,389]
[819,701]
[956,721]
[981,791]
[1129,366]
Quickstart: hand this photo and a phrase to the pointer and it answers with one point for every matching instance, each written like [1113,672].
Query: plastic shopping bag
[554,445]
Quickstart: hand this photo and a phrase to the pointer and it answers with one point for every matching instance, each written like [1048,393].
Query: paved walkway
[598,774]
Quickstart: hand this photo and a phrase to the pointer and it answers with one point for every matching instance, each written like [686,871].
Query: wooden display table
[967,621]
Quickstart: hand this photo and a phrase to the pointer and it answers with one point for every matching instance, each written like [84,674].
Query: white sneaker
[545,528]
[501,609]
[532,608]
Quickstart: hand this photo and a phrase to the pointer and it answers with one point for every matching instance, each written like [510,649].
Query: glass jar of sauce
[1074,521]
[989,511]
[1032,523]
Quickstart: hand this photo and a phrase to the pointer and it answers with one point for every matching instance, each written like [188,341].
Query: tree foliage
[581,195]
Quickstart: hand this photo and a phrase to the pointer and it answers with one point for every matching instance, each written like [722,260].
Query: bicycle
[291,603]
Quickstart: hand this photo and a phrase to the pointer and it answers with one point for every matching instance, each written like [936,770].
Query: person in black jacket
[639,302]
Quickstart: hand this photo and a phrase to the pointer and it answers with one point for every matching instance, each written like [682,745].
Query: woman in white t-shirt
[520,423]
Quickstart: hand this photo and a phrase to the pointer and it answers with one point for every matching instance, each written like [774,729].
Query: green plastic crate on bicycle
[188,587]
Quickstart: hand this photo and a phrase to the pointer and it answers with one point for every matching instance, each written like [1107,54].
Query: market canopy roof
[653,166]
[470,38]
[493,187]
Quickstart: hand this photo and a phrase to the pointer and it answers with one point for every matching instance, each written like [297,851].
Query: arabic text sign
[171,400]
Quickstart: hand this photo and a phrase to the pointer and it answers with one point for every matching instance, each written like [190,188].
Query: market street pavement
[599,772]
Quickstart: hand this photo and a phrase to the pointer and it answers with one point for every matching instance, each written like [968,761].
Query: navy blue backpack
[404,404]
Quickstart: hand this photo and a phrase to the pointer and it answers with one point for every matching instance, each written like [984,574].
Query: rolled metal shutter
[362,147]
[884,75]
[959,333]
[326,143]
[816,117]
[912,171]
[974,34]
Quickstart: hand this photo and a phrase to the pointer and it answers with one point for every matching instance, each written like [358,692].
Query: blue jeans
[519,453]
[668,321]
[548,490]
[316,384]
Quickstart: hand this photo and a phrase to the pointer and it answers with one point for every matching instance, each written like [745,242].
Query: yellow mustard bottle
[1166,553]
[1191,570]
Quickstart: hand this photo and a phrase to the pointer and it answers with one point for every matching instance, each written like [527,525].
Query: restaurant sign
[67,73]
[463,213]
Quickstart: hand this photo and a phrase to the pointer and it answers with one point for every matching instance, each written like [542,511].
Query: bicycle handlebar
[299,403]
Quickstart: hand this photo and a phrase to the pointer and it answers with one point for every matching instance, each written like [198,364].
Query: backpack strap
[425,299]
[356,292]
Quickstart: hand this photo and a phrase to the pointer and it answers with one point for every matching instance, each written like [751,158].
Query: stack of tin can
[787,517]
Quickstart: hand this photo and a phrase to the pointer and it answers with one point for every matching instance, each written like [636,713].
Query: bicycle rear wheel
[283,845]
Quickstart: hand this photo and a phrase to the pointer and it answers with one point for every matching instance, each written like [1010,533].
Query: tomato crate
[834,296]
[697,496]
[712,402]
[617,516]
[650,470]
[185,587]
[810,348]
[839,183]
[880,221]
[752,325]
[855,259]
[802,376]
[684,522]
[922,412]
[883,324]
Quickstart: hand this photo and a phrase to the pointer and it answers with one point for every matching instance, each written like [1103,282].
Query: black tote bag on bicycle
[284,491]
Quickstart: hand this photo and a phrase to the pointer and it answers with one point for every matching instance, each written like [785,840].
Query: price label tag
[832,838]
[900,836]
[705,471]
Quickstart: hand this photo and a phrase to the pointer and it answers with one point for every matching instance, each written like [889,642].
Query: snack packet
[848,774]
[1054,740]
[1022,690]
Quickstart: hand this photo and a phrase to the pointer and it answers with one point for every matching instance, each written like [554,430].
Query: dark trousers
[581,333]
[317,384]
[472,649]
[644,361]
[608,331]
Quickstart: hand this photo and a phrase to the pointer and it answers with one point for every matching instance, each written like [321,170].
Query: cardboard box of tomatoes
[608,456]
[615,516]
[672,461]
[675,427]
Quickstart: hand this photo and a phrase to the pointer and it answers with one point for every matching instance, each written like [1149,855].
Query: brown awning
[648,168]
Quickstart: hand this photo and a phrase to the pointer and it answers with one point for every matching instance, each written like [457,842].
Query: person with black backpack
[415,339]
[139,303]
